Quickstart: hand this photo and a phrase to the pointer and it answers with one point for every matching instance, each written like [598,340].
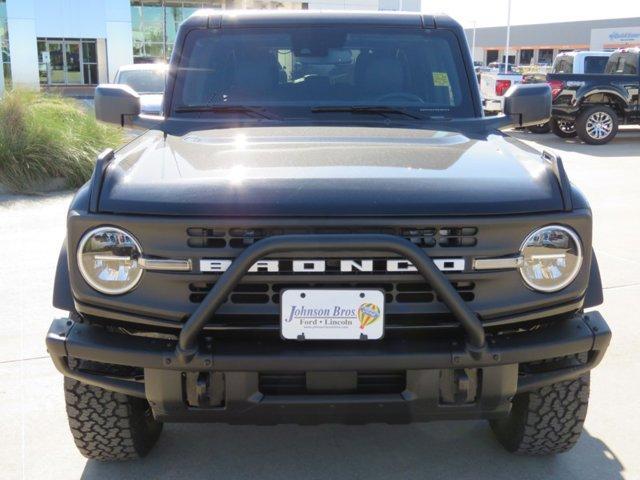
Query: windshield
[143,81]
[413,69]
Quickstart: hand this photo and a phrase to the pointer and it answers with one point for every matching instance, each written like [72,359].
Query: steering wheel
[400,96]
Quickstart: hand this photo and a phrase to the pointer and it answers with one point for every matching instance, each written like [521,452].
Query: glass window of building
[68,61]
[526,55]
[5,59]
[155,24]
[545,56]
[492,56]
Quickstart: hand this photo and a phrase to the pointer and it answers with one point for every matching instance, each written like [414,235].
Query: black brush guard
[187,344]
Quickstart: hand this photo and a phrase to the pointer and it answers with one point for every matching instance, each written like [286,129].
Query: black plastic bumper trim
[578,334]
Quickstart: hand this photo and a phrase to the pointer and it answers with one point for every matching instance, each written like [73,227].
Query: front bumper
[222,382]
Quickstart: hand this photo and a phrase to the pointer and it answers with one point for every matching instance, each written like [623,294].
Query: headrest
[380,74]
[256,73]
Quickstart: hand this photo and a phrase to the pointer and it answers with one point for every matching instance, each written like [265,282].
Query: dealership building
[539,44]
[75,43]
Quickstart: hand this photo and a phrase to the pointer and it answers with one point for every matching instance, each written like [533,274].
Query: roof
[262,18]
[584,53]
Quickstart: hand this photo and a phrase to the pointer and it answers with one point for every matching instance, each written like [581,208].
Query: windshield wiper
[225,109]
[384,111]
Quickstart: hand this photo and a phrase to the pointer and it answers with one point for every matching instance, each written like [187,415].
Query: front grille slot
[286,383]
[239,238]
[396,292]
[382,382]
[283,383]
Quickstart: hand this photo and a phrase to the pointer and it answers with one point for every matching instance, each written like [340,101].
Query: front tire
[597,125]
[545,421]
[563,128]
[109,426]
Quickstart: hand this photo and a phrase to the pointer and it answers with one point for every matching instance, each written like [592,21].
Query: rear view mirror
[118,104]
[528,104]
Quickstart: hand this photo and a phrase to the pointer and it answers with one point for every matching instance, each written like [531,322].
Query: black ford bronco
[323,227]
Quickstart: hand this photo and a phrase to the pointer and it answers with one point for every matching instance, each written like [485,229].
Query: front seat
[379,74]
[255,74]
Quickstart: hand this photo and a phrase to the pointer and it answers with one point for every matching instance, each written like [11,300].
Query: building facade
[539,44]
[76,43]
[5,57]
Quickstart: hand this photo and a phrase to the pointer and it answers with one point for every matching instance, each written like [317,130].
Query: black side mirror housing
[118,104]
[528,104]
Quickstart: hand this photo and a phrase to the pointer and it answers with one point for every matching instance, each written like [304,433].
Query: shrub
[46,136]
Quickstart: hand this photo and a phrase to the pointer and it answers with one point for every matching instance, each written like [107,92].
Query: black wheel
[545,421]
[109,426]
[563,128]
[542,128]
[597,125]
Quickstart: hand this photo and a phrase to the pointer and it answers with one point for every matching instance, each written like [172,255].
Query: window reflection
[155,25]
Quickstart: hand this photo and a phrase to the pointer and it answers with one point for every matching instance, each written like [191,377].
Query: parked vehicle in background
[499,67]
[480,68]
[580,62]
[567,62]
[147,80]
[598,103]
[494,84]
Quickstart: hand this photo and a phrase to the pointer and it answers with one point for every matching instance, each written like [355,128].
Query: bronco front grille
[238,238]
[395,292]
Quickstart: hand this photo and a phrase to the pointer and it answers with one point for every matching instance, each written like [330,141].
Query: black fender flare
[62,295]
[594,296]
[619,95]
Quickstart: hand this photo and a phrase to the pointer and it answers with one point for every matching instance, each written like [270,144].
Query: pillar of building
[22,43]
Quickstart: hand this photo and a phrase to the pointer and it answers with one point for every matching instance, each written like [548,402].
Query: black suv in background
[323,227]
[598,103]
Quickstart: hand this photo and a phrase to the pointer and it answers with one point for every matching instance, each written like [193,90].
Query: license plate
[332,314]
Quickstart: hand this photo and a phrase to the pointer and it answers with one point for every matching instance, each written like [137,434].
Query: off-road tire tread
[545,421]
[109,426]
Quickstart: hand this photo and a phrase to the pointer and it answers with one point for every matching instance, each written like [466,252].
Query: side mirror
[528,104]
[118,104]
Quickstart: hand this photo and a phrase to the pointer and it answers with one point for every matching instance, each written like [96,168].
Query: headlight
[108,260]
[552,258]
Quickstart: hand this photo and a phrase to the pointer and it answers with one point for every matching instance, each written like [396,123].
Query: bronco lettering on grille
[320,266]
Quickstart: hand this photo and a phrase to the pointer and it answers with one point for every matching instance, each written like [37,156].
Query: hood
[328,171]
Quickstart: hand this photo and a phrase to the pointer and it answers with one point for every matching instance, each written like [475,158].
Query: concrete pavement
[37,443]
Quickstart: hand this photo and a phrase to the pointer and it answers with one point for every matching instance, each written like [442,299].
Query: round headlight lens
[552,258]
[108,260]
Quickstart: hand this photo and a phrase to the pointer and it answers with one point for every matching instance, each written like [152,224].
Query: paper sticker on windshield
[441,79]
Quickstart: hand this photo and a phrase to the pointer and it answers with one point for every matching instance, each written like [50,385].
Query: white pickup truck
[493,86]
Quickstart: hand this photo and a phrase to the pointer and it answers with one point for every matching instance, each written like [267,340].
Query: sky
[488,13]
